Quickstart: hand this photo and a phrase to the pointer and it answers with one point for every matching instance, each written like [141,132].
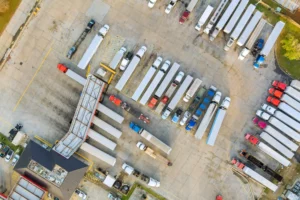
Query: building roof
[50,159]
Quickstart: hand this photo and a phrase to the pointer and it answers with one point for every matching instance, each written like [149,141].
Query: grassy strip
[4,140]
[148,190]
[5,17]
[130,192]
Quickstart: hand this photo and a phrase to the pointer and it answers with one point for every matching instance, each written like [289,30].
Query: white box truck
[279,147]
[98,153]
[285,129]
[239,27]
[130,69]
[155,82]
[281,138]
[204,17]
[102,140]
[215,16]
[214,131]
[235,17]
[295,84]
[211,110]
[292,92]
[193,89]
[147,79]
[287,109]
[110,113]
[252,39]
[287,120]
[171,106]
[249,28]
[224,19]
[91,50]
[269,44]
[117,58]
[107,127]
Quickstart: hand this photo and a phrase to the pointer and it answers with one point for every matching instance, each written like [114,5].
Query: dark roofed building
[60,176]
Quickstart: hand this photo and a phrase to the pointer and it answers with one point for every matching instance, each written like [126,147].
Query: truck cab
[184,16]
[170,6]
[152,103]
[166,114]
[135,127]
[190,125]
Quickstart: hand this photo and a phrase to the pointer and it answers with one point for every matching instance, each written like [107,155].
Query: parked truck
[110,113]
[193,89]
[287,120]
[213,106]
[91,50]
[101,139]
[98,153]
[107,127]
[214,131]
[233,4]
[261,165]
[74,48]
[117,58]
[138,92]
[252,38]
[276,145]
[254,175]
[204,17]
[185,15]
[285,98]
[171,106]
[168,94]
[215,16]
[269,44]
[151,138]
[235,17]
[76,77]
[152,153]
[276,134]
[239,27]
[292,92]
[287,109]
[284,128]
[295,84]
[265,148]
[201,108]
[155,82]
[130,69]
[163,86]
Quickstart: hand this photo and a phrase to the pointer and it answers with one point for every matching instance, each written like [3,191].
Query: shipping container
[102,140]
[107,127]
[110,113]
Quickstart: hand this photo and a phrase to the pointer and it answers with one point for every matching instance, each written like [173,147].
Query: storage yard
[139,97]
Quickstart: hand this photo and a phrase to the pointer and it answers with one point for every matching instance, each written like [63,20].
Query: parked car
[273,100]
[279,85]
[15,159]
[151,3]
[4,151]
[176,116]
[125,61]
[9,155]
[275,93]
[186,116]
[81,193]
[113,196]
[170,6]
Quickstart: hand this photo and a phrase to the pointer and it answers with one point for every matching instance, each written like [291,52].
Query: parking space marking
[36,72]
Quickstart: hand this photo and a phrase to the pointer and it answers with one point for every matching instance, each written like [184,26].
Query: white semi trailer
[279,147]
[76,77]
[155,82]
[292,92]
[204,17]
[287,120]
[138,92]
[292,102]
[107,127]
[130,69]
[211,110]
[224,19]
[91,50]
[239,27]
[183,87]
[295,84]
[215,16]
[235,17]
[284,128]
[117,58]
[214,131]
[102,140]
[110,113]
[98,154]
[287,109]
[251,40]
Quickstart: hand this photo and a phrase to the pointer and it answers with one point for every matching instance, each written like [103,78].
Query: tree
[291,46]
[4,6]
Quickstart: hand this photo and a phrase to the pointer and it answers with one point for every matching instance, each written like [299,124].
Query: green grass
[148,190]
[5,17]
[4,140]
